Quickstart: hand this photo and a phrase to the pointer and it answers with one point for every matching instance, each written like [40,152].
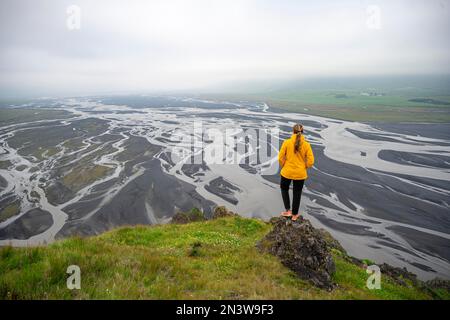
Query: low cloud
[190,44]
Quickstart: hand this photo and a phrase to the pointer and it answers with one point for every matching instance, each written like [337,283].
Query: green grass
[44,153]
[215,259]
[352,99]
[392,107]
[73,144]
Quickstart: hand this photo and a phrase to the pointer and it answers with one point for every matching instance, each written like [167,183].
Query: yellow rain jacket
[294,164]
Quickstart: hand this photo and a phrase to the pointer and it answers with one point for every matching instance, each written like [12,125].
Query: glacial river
[382,191]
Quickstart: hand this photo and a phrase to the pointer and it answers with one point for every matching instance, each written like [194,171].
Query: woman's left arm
[282,154]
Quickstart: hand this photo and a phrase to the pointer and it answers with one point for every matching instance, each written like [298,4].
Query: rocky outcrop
[222,212]
[187,217]
[438,284]
[301,248]
[332,242]
[399,275]
[197,215]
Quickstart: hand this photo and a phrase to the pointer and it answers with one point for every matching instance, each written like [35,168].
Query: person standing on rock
[295,158]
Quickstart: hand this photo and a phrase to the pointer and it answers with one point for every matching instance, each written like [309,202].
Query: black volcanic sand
[56,191]
[158,102]
[248,168]
[107,138]
[419,159]
[191,170]
[421,266]
[115,112]
[393,245]
[166,156]
[424,242]
[102,187]
[3,183]
[367,189]
[89,202]
[164,193]
[31,223]
[375,137]
[442,184]
[323,202]
[223,189]
[358,219]
[435,131]
[222,115]
[348,228]
[139,150]
[382,240]
[49,136]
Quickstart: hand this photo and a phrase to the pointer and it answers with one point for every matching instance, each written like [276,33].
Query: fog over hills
[82,47]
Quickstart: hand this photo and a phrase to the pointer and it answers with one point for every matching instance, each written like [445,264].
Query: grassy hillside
[214,259]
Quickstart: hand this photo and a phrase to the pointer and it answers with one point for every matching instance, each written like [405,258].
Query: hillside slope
[214,259]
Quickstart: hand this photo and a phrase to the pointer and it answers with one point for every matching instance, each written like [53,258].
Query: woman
[295,157]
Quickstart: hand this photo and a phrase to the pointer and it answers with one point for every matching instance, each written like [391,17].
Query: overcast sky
[156,45]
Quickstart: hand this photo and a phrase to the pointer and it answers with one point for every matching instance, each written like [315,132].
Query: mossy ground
[83,176]
[9,211]
[214,259]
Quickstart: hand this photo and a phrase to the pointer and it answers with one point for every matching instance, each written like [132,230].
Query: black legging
[298,187]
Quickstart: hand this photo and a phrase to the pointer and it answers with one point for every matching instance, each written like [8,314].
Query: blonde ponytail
[298,130]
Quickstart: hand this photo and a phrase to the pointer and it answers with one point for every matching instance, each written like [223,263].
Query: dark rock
[438,284]
[274,220]
[180,218]
[356,261]
[187,217]
[331,242]
[222,212]
[434,286]
[301,248]
[195,249]
[399,275]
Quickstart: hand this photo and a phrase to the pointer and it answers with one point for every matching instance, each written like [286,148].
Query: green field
[215,259]
[352,104]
